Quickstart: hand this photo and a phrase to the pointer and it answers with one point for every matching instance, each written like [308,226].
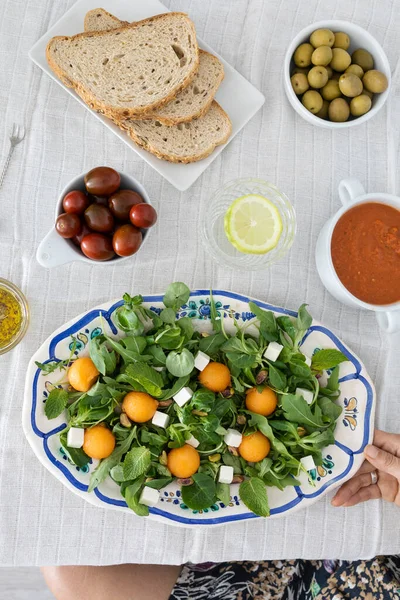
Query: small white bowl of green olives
[336,74]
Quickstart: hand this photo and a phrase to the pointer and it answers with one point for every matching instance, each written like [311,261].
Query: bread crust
[174,158]
[88,98]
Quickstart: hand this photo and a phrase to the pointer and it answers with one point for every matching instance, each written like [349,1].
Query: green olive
[322,56]
[302,55]
[317,77]
[299,83]
[323,113]
[331,90]
[322,37]
[303,70]
[339,110]
[340,59]
[368,93]
[312,100]
[356,69]
[375,81]
[342,40]
[360,105]
[363,58]
[350,85]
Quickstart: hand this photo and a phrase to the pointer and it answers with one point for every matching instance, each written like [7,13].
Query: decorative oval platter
[353,432]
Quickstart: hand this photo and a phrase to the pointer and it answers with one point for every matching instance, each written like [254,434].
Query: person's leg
[116,582]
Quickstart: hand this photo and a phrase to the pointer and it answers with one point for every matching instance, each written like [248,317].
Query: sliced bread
[190,103]
[184,142]
[99,19]
[128,71]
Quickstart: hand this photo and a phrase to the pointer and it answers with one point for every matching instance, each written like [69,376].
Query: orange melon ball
[184,461]
[139,406]
[254,447]
[82,374]
[215,377]
[98,442]
[261,402]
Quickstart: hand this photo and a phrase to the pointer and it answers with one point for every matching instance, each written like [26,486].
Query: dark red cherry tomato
[102,181]
[75,202]
[122,201]
[126,240]
[99,218]
[143,215]
[84,231]
[68,225]
[98,199]
[97,246]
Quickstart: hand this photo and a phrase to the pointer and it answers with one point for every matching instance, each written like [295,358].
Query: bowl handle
[53,250]
[349,190]
[389,321]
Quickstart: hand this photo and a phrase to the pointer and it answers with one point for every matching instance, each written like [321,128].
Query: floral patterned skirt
[376,579]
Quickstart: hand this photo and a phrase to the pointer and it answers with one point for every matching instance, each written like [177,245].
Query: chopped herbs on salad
[166,402]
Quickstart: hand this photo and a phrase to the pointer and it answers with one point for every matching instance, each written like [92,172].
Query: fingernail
[371,451]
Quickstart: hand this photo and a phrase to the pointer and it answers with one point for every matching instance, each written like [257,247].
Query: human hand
[383,458]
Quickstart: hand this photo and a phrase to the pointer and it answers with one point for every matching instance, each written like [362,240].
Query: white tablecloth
[41,522]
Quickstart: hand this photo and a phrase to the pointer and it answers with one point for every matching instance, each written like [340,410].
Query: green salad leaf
[254,495]
[56,402]
[201,494]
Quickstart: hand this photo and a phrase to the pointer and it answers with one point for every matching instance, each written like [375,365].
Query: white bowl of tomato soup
[358,253]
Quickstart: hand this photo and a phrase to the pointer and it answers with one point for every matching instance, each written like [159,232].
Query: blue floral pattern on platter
[353,432]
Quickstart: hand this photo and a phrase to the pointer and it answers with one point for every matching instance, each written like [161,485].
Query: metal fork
[17,135]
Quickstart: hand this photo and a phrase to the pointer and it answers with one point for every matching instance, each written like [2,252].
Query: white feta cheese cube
[159,369]
[225,474]
[160,419]
[201,360]
[233,438]
[307,360]
[273,351]
[75,437]
[308,463]
[149,496]
[193,442]
[307,394]
[183,396]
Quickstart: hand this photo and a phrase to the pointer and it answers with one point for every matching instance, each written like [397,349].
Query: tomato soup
[365,251]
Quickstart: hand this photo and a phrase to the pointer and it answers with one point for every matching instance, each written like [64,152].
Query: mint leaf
[298,411]
[55,403]
[201,494]
[136,462]
[253,494]
[146,376]
[327,359]
[329,408]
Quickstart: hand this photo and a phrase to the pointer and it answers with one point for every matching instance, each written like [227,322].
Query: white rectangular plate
[237,96]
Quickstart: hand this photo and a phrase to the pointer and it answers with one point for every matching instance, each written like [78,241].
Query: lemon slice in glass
[253,224]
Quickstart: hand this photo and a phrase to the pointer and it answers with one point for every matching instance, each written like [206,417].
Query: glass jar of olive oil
[14,315]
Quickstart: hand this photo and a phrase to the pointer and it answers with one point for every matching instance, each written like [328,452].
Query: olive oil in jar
[13,315]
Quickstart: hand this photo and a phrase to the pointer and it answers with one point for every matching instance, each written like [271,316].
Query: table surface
[41,522]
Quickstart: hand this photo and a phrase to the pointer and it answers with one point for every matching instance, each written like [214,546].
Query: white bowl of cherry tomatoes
[101,216]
